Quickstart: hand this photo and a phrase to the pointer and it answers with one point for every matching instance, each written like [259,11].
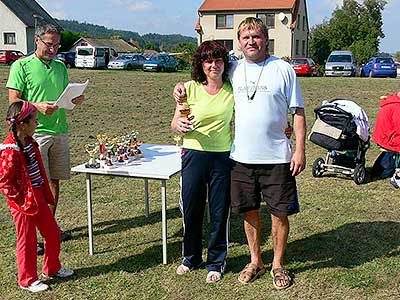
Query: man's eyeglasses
[48,45]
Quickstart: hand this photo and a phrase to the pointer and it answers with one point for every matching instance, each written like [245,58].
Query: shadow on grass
[118,225]
[348,246]
[150,258]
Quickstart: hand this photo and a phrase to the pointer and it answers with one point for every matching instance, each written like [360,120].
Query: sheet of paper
[72,91]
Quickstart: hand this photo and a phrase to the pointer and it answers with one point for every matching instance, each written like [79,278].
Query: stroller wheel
[318,168]
[359,175]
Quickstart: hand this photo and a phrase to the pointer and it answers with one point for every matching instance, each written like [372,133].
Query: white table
[160,162]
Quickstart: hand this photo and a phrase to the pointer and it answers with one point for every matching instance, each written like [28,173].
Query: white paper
[72,91]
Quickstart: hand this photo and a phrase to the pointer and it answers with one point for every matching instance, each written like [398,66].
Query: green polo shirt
[39,82]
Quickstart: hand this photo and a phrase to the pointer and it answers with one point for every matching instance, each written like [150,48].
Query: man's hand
[179,93]
[298,162]
[46,108]
[78,100]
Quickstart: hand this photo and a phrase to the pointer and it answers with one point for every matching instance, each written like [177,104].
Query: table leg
[89,211]
[146,198]
[164,219]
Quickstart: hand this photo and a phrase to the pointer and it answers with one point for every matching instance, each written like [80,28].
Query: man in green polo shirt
[40,79]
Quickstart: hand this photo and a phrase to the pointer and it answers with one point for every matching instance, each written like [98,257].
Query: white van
[94,57]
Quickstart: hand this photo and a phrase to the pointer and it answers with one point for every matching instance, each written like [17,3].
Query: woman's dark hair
[13,111]
[209,50]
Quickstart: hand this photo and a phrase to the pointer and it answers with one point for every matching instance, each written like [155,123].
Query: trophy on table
[102,139]
[92,150]
[178,140]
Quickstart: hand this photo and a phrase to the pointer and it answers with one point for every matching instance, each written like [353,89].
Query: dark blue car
[379,67]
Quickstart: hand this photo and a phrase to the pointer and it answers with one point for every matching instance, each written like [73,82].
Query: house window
[297,47]
[228,44]
[271,47]
[298,22]
[9,38]
[268,19]
[303,47]
[304,23]
[224,21]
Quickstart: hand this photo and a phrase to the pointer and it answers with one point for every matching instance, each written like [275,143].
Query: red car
[305,66]
[9,56]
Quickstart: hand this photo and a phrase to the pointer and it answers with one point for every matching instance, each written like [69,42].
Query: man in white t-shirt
[265,88]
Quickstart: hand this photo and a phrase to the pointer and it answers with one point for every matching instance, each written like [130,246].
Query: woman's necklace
[251,98]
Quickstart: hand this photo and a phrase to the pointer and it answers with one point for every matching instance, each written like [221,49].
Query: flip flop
[252,271]
[281,274]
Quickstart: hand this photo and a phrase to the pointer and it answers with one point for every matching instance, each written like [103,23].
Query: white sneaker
[395,181]
[62,273]
[37,286]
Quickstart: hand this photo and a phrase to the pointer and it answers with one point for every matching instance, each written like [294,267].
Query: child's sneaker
[395,181]
[62,273]
[37,286]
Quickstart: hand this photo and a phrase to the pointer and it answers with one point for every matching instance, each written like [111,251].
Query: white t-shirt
[260,123]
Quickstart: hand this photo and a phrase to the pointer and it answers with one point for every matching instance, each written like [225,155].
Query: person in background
[206,165]
[23,181]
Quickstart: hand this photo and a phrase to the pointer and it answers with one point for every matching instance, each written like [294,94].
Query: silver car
[127,62]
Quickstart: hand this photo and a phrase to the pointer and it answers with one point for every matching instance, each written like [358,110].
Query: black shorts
[273,182]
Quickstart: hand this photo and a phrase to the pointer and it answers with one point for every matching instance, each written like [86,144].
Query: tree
[68,38]
[354,26]
[397,56]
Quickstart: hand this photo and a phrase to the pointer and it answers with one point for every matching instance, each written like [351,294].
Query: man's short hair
[251,23]
[41,30]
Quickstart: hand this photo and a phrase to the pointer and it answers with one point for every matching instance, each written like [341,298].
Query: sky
[180,16]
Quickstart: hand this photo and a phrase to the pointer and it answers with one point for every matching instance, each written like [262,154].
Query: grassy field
[345,244]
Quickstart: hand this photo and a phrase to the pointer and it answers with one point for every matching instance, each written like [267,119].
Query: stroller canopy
[360,117]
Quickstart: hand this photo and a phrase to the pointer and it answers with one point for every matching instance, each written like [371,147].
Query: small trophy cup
[102,139]
[92,150]
[178,140]
[185,113]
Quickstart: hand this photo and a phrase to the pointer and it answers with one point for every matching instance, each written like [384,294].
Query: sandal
[213,277]
[252,271]
[279,275]
[182,270]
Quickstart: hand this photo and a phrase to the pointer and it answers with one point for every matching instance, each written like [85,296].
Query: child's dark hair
[13,112]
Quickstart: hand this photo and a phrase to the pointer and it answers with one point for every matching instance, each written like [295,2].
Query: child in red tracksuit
[23,181]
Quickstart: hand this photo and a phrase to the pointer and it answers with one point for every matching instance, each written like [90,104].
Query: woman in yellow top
[206,164]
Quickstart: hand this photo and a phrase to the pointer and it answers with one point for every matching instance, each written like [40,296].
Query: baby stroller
[341,127]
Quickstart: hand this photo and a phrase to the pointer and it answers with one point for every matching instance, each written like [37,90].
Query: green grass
[345,244]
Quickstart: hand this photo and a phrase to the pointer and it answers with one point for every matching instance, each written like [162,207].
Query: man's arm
[46,108]
[298,162]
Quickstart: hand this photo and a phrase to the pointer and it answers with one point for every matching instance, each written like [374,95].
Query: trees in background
[355,26]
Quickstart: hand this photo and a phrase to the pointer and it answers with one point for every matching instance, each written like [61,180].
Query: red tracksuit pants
[27,241]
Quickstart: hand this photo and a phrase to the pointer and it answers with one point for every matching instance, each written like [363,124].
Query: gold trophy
[92,150]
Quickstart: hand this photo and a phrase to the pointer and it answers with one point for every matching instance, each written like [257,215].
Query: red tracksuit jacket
[15,183]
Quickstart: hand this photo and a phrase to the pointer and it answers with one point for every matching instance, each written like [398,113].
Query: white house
[18,19]
[287,22]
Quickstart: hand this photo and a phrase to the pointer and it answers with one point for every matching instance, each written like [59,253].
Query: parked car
[379,67]
[305,66]
[127,61]
[68,58]
[94,56]
[161,63]
[398,69]
[9,56]
[340,63]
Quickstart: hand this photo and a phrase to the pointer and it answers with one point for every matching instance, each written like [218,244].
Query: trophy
[102,139]
[185,112]
[92,150]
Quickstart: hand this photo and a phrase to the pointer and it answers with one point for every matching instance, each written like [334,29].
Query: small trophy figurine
[102,139]
[92,150]
[185,113]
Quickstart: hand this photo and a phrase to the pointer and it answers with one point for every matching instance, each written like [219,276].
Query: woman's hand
[179,93]
[181,125]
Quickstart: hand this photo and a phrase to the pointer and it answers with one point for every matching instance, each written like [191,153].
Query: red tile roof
[234,5]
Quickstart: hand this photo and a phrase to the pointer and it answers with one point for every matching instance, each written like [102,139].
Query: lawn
[345,244]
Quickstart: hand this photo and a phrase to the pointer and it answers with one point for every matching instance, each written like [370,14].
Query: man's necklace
[251,97]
